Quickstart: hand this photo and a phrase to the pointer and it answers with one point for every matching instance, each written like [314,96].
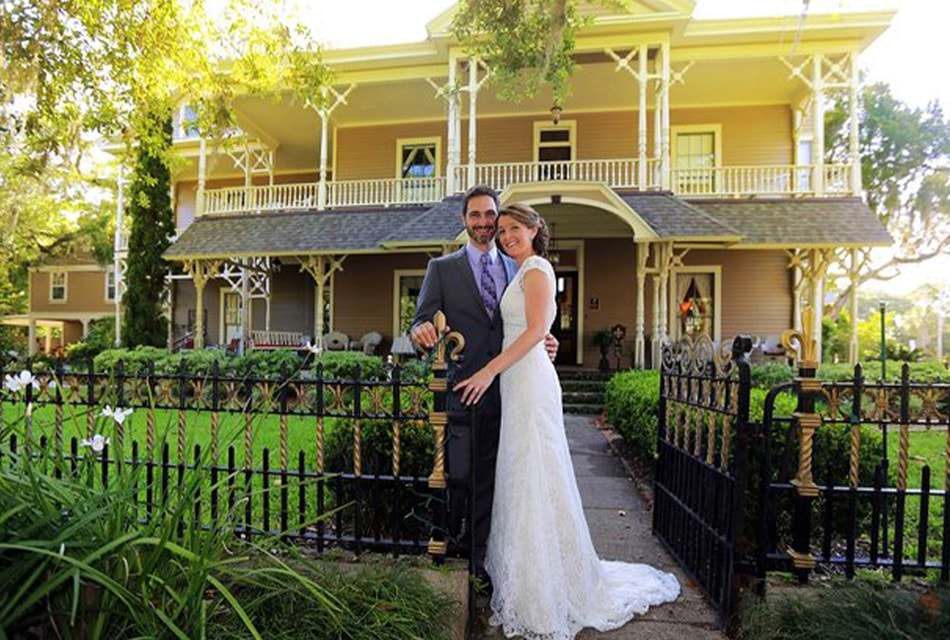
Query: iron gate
[702,465]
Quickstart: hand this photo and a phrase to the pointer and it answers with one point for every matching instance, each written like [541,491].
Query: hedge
[632,401]
[262,363]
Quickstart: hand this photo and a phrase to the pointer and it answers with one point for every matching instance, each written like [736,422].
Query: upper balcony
[725,182]
[706,113]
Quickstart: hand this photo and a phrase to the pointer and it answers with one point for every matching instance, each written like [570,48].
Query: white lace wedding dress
[548,581]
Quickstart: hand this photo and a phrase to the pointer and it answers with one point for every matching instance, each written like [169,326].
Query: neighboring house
[682,179]
[66,294]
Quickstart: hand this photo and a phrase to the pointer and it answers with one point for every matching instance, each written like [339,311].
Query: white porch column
[246,307]
[472,102]
[665,180]
[797,283]
[202,174]
[655,340]
[170,337]
[85,328]
[853,114]
[48,342]
[667,256]
[817,267]
[322,186]
[453,150]
[657,179]
[639,356]
[31,337]
[818,127]
[248,191]
[853,304]
[117,251]
[642,83]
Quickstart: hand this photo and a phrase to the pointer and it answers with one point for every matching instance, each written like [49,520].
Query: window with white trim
[110,285]
[57,286]
[417,166]
[407,285]
[695,302]
[697,151]
[555,147]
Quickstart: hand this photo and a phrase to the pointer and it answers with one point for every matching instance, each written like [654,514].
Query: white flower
[315,348]
[97,443]
[16,383]
[117,414]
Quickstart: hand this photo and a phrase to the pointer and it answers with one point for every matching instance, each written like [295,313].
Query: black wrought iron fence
[846,514]
[702,451]
[346,462]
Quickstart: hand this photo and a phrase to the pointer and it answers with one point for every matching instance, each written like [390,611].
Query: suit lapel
[465,273]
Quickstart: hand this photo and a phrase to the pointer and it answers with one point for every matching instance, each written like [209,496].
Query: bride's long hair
[530,218]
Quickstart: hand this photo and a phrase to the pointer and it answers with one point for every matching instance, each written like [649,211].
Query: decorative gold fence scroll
[438,545]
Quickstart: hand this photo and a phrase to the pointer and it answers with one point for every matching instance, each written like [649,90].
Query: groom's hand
[550,345]
[424,335]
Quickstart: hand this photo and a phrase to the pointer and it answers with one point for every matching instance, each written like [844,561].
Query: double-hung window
[57,286]
[696,154]
[417,166]
[555,149]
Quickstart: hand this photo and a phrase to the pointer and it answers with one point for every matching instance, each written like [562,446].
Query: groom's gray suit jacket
[449,286]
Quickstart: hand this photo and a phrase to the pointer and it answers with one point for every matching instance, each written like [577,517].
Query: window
[186,127]
[695,302]
[110,285]
[57,286]
[555,147]
[406,286]
[417,166]
[697,151]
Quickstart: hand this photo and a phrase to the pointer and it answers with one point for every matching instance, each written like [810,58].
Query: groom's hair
[479,190]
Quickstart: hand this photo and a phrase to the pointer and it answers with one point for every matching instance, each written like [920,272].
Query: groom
[467,287]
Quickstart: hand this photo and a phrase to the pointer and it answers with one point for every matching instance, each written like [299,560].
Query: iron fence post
[804,421]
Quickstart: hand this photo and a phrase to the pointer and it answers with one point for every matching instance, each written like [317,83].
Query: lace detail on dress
[548,581]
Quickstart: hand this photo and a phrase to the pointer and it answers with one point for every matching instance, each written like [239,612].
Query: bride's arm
[538,294]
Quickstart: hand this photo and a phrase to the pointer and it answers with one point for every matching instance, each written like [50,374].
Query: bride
[548,582]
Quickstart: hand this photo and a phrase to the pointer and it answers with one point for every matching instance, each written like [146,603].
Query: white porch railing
[758,180]
[340,193]
[618,173]
[621,173]
[393,191]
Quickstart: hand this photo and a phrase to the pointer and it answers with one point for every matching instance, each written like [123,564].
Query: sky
[908,55]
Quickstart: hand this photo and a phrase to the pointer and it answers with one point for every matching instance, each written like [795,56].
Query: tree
[905,169]
[152,226]
[526,43]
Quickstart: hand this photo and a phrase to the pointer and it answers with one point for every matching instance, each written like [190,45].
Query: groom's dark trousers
[449,286]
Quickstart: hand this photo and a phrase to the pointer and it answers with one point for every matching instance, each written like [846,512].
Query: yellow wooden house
[683,180]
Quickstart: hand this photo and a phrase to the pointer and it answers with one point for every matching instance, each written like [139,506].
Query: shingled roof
[290,233]
[672,218]
[799,222]
[755,222]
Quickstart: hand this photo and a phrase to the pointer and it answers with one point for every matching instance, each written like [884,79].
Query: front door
[565,322]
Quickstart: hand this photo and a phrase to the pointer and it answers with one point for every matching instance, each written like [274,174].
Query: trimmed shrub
[631,401]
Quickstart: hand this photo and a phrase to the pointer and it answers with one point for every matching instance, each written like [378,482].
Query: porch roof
[292,233]
[800,222]
[675,219]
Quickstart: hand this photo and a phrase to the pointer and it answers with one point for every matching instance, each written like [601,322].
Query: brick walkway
[620,527]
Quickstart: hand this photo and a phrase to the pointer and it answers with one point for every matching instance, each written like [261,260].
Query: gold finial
[807,349]
[451,337]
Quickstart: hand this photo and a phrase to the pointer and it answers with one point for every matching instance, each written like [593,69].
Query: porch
[657,265]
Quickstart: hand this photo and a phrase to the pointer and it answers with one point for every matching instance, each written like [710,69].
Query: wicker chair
[336,341]
[368,343]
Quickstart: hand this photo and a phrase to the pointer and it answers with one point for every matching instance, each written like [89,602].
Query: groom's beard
[481,234]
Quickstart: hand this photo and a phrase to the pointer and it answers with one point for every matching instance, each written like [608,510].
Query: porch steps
[583,391]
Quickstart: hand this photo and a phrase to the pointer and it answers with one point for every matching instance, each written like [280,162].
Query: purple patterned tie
[488,289]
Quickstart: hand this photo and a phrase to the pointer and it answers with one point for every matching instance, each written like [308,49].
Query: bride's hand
[474,388]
